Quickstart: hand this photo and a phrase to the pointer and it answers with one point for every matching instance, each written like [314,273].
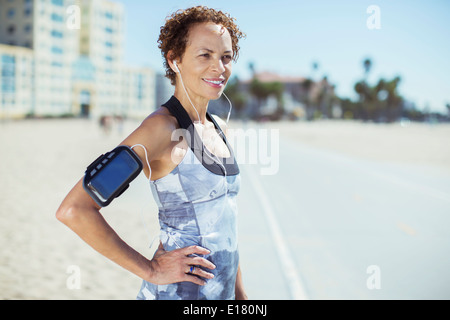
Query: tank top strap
[196,144]
[180,114]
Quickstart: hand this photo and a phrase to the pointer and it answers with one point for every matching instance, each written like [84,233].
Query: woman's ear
[172,62]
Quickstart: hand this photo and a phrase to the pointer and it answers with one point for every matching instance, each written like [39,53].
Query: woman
[194,181]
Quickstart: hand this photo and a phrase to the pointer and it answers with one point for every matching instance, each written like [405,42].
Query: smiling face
[206,64]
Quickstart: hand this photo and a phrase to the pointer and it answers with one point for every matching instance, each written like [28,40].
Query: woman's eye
[205,55]
[227,58]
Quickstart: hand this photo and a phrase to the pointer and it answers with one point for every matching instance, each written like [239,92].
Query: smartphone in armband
[110,174]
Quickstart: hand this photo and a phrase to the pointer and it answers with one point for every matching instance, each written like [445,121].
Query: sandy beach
[42,159]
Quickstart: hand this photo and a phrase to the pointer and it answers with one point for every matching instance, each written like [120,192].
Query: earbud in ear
[176,67]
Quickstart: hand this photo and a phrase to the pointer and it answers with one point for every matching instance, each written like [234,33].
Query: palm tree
[393,99]
[262,90]
[366,94]
[315,67]
[382,101]
[325,97]
[306,85]
[367,99]
[367,64]
[251,66]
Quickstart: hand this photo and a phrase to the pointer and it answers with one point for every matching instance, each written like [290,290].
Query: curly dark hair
[174,34]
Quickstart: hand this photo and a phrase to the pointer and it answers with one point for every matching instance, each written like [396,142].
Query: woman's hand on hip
[179,265]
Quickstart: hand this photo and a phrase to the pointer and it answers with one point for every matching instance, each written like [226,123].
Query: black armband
[110,174]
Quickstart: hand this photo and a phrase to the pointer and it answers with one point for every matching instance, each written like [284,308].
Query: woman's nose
[218,66]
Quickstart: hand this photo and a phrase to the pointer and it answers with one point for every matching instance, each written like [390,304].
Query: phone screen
[113,175]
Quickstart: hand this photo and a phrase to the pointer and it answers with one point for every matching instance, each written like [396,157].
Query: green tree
[367,64]
[314,67]
[262,90]
[394,100]
[306,86]
[388,100]
[365,93]
[251,67]
[380,102]
[367,99]
[235,94]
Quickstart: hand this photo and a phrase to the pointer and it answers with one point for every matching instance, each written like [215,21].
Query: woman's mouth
[216,83]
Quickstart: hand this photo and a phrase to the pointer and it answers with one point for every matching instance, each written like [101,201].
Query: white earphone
[176,67]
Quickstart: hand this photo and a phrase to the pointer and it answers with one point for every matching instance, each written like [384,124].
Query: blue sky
[287,36]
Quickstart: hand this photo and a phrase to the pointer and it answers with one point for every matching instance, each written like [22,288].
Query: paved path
[355,229]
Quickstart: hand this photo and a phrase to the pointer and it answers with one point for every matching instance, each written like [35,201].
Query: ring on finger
[192,269]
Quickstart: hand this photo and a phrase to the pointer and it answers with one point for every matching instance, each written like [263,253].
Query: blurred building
[292,98]
[16,81]
[164,89]
[137,91]
[64,57]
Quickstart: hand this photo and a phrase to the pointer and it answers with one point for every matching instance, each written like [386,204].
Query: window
[28,28]
[58,2]
[8,73]
[57,34]
[57,17]
[27,12]
[11,29]
[11,13]
[57,50]
[8,59]
[140,93]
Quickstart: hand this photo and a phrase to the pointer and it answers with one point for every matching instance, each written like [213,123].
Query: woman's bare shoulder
[160,120]
[154,132]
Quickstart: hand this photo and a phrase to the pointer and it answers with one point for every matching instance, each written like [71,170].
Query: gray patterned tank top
[197,206]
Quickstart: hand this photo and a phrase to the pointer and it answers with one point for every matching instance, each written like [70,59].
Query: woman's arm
[81,214]
[239,287]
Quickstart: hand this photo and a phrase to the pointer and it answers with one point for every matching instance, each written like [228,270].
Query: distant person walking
[106,124]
